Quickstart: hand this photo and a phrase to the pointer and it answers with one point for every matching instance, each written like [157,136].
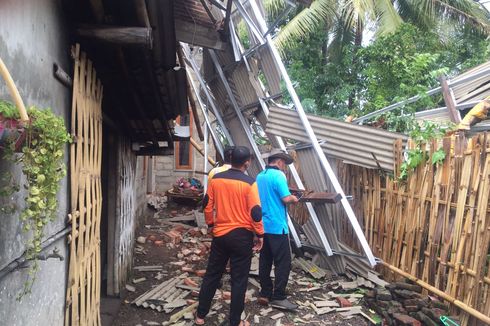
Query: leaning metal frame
[239,114]
[321,155]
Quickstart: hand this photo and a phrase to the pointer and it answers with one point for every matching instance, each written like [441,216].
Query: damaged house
[151,91]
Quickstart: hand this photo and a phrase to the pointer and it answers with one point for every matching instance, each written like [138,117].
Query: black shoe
[284,304]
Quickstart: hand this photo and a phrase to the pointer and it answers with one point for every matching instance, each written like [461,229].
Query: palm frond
[343,35]
[274,8]
[418,17]
[387,17]
[320,12]
[461,12]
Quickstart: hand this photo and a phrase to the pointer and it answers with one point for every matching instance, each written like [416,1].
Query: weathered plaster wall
[32,38]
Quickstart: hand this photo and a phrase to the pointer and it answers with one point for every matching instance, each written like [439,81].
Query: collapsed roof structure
[241,106]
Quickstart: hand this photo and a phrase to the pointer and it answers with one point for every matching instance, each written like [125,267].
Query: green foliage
[8,110]
[399,66]
[421,134]
[43,167]
[243,34]
[337,79]
[438,156]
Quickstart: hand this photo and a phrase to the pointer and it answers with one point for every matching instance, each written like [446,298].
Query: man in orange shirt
[232,210]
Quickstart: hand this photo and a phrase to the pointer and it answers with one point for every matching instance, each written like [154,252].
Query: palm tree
[351,16]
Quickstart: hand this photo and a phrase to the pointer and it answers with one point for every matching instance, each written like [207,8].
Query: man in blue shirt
[274,195]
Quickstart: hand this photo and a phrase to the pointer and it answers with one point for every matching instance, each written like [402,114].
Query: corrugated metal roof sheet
[474,89]
[345,141]
[328,214]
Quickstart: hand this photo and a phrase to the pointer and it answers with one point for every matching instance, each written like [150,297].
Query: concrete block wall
[166,174]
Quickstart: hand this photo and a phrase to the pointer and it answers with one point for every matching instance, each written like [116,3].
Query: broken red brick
[343,302]
[174,213]
[200,272]
[187,269]
[152,237]
[406,320]
[178,228]
[190,301]
[173,236]
[194,232]
[226,295]
[158,243]
[190,282]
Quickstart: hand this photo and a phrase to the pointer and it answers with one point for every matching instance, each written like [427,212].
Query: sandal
[197,320]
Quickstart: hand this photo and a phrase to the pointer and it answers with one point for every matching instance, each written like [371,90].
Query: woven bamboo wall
[83,292]
[436,226]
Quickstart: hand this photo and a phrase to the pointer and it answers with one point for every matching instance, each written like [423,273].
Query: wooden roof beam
[117,35]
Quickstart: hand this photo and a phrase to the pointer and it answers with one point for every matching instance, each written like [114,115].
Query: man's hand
[259,242]
[291,199]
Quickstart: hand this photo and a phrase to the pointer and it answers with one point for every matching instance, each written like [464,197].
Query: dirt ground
[131,315]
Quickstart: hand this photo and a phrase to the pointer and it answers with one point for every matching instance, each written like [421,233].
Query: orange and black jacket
[232,202]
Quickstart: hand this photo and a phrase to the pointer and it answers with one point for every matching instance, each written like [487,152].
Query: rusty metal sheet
[349,142]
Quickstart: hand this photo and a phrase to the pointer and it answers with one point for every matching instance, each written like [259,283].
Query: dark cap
[240,155]
[277,153]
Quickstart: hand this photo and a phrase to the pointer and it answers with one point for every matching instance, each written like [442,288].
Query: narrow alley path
[170,259]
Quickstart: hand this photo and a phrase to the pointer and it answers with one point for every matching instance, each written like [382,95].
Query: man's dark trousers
[236,246]
[275,250]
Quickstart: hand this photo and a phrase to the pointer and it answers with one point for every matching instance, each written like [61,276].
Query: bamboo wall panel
[125,212]
[436,225]
[83,292]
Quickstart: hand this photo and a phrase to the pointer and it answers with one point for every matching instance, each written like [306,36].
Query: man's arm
[209,205]
[291,199]
[283,190]
[253,203]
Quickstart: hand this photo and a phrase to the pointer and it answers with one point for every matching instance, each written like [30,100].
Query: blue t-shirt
[273,186]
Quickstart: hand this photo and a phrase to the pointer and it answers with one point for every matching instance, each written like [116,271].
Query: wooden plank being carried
[321,197]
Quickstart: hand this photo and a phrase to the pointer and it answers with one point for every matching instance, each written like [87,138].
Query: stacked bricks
[403,304]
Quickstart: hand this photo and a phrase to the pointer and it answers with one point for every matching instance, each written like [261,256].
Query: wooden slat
[435,227]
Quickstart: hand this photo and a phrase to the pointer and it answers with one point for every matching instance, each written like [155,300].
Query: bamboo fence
[83,289]
[436,225]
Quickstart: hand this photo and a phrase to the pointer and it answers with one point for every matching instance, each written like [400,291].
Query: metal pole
[249,21]
[396,105]
[186,50]
[428,93]
[205,177]
[216,140]
[321,155]
[241,118]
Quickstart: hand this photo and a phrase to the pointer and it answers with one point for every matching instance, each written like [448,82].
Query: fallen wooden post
[201,151]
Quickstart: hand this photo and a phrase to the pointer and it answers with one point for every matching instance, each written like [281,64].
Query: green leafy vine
[41,156]
[421,134]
